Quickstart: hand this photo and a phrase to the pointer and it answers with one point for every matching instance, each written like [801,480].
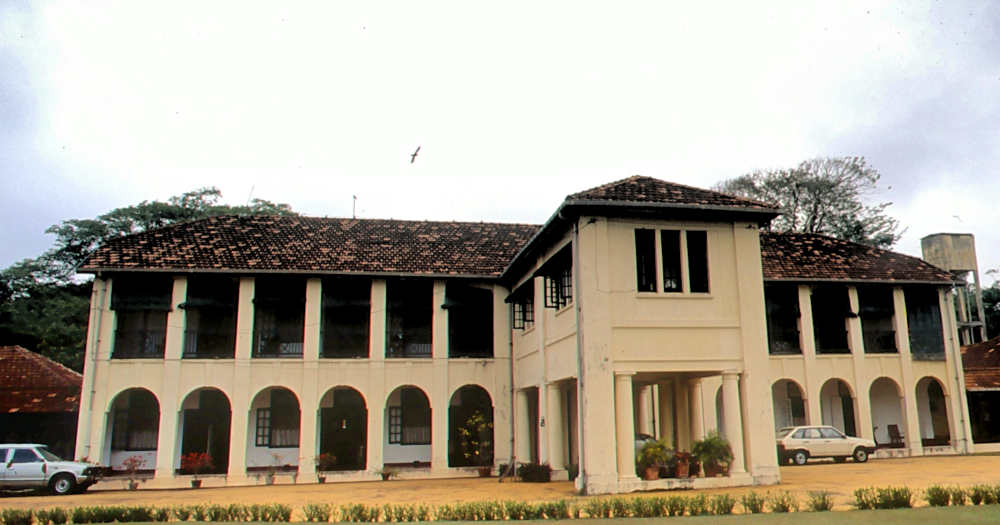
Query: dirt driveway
[840,479]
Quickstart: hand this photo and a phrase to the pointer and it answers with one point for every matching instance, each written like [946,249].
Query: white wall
[886,407]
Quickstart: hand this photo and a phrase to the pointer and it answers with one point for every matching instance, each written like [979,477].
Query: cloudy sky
[514,105]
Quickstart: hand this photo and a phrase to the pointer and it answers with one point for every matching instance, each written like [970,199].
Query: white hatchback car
[34,467]
[798,444]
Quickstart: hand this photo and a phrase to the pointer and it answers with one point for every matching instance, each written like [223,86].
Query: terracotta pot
[196,483]
[682,470]
[651,473]
[269,480]
[133,485]
[713,471]
[321,479]
[386,476]
[485,472]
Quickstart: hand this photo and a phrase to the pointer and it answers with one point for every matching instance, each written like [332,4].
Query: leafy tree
[44,306]
[991,305]
[823,195]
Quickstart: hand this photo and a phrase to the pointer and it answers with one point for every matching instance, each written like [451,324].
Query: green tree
[823,195]
[44,306]
[991,305]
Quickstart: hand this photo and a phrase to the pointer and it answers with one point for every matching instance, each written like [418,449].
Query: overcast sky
[514,105]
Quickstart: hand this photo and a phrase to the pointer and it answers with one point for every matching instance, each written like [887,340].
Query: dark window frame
[395,425]
[263,428]
[645,260]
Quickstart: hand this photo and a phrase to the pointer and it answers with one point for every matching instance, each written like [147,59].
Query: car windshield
[784,432]
[48,455]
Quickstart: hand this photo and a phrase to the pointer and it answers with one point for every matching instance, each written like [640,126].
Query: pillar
[902,328]
[376,394]
[241,384]
[862,396]
[666,412]
[732,414]
[439,394]
[167,445]
[813,382]
[697,410]
[554,424]
[683,413]
[624,425]
[645,409]
[522,426]
[309,403]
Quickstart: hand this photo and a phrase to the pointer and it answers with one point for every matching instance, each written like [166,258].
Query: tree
[823,195]
[45,308]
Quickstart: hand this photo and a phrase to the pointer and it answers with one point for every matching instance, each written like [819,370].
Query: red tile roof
[981,364]
[814,257]
[641,189]
[315,244]
[32,383]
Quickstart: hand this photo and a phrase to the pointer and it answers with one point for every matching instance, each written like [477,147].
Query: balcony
[880,342]
[209,344]
[139,344]
[399,348]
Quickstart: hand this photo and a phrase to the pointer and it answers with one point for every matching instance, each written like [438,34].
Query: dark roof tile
[32,383]
[641,189]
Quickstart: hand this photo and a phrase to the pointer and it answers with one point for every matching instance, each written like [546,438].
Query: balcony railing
[139,344]
[209,344]
[783,341]
[276,348]
[399,349]
[880,342]
[832,342]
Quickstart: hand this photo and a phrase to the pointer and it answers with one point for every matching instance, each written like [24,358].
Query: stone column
[683,410]
[439,394]
[311,349]
[645,410]
[733,419]
[522,426]
[241,383]
[166,447]
[554,424]
[666,415]
[697,410]
[376,376]
[813,382]
[902,328]
[624,425]
[855,338]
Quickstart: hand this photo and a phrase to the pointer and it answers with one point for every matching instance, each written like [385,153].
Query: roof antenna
[354,210]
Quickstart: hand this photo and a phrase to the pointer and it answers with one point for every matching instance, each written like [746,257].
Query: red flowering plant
[132,464]
[196,462]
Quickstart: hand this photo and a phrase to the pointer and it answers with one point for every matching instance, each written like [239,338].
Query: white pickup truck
[34,467]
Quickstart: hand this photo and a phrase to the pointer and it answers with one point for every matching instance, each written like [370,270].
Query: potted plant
[650,458]
[196,462]
[679,466]
[476,444]
[277,461]
[712,452]
[324,462]
[131,466]
[388,473]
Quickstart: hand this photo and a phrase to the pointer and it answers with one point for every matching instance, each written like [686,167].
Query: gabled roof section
[647,190]
[317,245]
[32,383]
[813,257]
[981,364]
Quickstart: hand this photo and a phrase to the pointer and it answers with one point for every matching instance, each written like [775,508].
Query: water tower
[956,253]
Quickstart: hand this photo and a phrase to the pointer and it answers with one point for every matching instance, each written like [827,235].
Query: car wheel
[800,457]
[860,455]
[840,459]
[62,484]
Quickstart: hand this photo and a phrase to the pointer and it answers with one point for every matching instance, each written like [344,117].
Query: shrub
[753,502]
[80,515]
[894,498]
[978,493]
[620,507]
[281,512]
[994,497]
[676,505]
[820,500]
[698,505]
[359,512]
[553,510]
[58,516]
[535,472]
[723,504]
[17,517]
[160,514]
[783,502]
[179,512]
[319,512]
[958,495]
[138,514]
[937,496]
[598,508]
[864,498]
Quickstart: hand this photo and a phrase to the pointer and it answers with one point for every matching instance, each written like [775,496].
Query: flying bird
[957,217]
[414,156]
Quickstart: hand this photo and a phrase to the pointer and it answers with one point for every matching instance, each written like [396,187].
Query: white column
[554,424]
[241,382]
[666,413]
[624,425]
[522,426]
[733,419]
[813,382]
[376,377]
[440,393]
[167,445]
[902,328]
[683,411]
[645,409]
[855,338]
[697,410]
[309,404]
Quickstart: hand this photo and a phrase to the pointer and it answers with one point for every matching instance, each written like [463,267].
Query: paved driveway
[840,479]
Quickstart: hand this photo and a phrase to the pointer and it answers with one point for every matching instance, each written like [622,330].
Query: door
[25,469]
[344,431]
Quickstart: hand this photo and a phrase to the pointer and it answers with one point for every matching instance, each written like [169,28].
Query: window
[829,433]
[3,454]
[210,312]
[524,313]
[678,274]
[263,427]
[346,317]
[812,433]
[782,303]
[923,315]
[470,320]
[410,305]
[25,455]
[876,310]
[559,288]
[141,306]
[284,419]
[799,434]
[645,260]
[279,317]
[831,307]
[395,425]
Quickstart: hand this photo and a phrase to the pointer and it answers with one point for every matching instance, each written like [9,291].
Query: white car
[798,444]
[34,467]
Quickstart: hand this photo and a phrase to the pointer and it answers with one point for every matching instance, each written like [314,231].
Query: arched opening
[273,437]
[206,419]
[407,428]
[932,407]
[836,402]
[134,429]
[888,422]
[470,428]
[343,424]
[789,404]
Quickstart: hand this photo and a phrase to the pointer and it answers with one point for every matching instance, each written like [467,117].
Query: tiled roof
[812,257]
[641,189]
[982,355]
[267,243]
[32,383]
